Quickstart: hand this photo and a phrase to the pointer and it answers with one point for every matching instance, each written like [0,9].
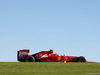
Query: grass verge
[48,68]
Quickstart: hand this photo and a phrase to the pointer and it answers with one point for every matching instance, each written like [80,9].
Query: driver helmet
[51,49]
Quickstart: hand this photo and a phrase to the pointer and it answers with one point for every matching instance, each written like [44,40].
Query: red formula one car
[46,56]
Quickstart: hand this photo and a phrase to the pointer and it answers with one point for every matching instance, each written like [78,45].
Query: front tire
[30,59]
[81,59]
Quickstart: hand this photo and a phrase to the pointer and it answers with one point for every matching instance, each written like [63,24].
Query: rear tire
[81,59]
[30,59]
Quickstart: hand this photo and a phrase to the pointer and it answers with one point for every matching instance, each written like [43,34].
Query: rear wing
[22,54]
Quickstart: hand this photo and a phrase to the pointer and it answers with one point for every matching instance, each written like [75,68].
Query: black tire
[81,59]
[30,59]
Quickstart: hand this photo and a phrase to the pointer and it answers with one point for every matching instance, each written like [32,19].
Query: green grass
[44,68]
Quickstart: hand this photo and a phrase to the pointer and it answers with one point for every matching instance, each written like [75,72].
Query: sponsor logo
[23,53]
[40,54]
[59,58]
[92,73]
[53,59]
[44,56]
[48,60]
[66,58]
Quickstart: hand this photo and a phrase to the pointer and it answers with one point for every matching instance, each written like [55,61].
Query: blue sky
[70,27]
